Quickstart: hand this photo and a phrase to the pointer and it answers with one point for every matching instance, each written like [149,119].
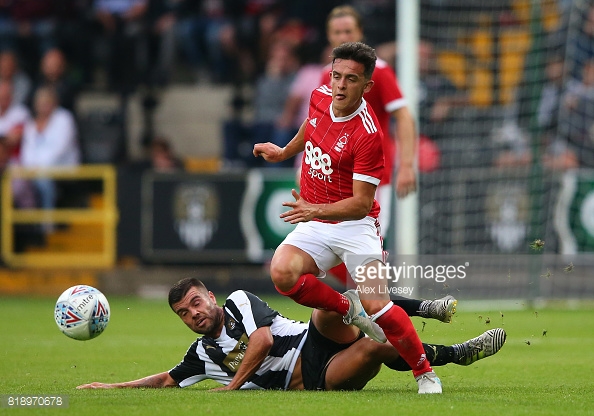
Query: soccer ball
[82,312]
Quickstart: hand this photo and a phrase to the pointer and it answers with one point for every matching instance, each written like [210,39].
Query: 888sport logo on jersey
[320,164]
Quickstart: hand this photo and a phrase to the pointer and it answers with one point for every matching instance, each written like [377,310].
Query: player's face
[342,30]
[348,85]
[199,312]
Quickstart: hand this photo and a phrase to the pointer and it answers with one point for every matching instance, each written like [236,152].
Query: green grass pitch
[535,372]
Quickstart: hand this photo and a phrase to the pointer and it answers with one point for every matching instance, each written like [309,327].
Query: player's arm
[406,180]
[160,380]
[257,350]
[353,208]
[274,154]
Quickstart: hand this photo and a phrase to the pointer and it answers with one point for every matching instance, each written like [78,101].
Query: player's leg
[441,309]
[364,262]
[349,371]
[294,270]
[466,353]
[352,368]
[397,327]
[355,366]
[331,325]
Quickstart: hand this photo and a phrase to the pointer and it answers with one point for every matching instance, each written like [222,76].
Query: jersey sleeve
[250,310]
[388,89]
[369,159]
[191,369]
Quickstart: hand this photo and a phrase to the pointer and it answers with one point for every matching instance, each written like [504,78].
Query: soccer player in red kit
[344,24]
[336,211]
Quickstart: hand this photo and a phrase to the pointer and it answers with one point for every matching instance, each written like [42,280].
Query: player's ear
[368,86]
[212,297]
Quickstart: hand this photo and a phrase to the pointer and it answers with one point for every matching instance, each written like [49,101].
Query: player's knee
[368,349]
[282,276]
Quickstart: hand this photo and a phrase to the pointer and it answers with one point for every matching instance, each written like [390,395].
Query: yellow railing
[106,216]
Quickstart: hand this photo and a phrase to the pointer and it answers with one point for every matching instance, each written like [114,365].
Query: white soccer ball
[82,312]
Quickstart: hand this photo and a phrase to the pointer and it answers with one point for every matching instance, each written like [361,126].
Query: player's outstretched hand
[96,385]
[269,151]
[301,211]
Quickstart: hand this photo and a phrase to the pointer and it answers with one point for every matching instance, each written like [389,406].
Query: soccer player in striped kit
[247,345]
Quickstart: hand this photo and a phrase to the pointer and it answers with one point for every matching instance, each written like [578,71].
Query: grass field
[533,373]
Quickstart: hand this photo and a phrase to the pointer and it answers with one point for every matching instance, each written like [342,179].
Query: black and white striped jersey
[218,359]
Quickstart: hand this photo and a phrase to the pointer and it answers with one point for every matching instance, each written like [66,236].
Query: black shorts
[315,356]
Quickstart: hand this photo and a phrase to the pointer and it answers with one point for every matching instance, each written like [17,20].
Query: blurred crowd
[52,50]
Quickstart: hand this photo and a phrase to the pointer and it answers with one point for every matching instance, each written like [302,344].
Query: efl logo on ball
[82,312]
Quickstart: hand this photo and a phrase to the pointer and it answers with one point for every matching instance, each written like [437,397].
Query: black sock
[410,306]
[436,354]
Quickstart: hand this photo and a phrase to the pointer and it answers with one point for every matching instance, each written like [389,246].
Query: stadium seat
[454,66]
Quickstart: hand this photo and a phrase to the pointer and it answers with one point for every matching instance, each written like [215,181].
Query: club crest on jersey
[320,164]
[231,324]
[341,142]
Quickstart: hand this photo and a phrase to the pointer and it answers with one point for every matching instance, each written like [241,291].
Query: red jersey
[338,150]
[384,98]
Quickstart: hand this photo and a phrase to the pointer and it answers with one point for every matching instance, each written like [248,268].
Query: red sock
[402,335]
[341,273]
[309,291]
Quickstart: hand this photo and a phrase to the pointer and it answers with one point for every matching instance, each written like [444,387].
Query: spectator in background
[122,35]
[162,157]
[581,42]
[163,22]
[557,154]
[8,29]
[49,140]
[13,117]
[53,73]
[438,96]
[197,27]
[36,26]
[306,80]
[74,37]
[159,157]
[10,72]
[251,24]
[244,40]
[576,122]
[4,154]
[272,89]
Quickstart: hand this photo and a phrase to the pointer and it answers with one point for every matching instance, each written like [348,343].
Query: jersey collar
[350,116]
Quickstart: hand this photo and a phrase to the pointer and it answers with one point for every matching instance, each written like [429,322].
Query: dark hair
[358,52]
[179,290]
[343,11]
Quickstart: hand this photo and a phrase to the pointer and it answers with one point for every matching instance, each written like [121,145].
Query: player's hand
[269,151]
[302,211]
[406,181]
[96,385]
